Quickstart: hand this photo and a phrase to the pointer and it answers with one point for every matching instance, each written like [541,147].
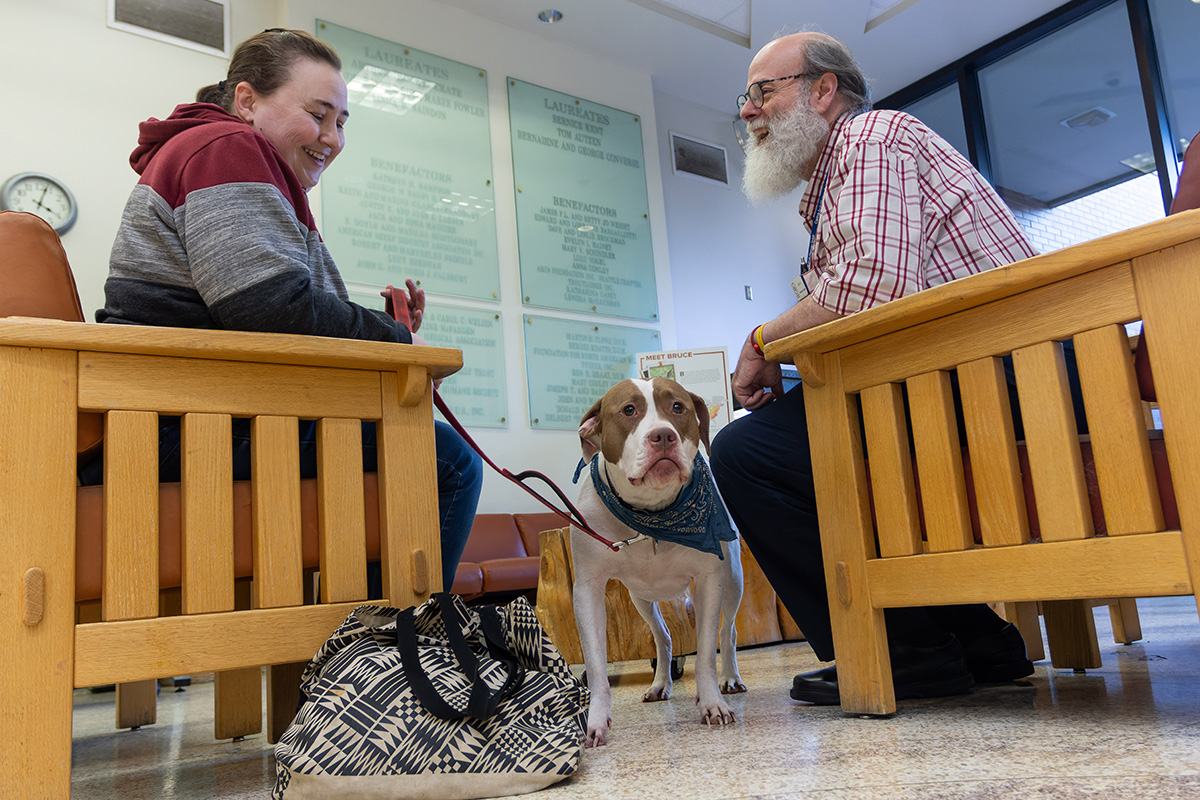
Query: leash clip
[631,540]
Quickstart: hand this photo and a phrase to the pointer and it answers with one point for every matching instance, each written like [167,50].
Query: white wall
[719,242]
[75,92]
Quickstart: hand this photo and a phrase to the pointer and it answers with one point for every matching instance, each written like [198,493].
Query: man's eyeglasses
[754,93]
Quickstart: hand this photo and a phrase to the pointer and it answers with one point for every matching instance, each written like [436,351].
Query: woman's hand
[416,304]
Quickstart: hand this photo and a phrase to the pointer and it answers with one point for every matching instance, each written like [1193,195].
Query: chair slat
[996,472]
[939,463]
[1052,440]
[130,588]
[275,515]
[342,524]
[408,513]
[897,522]
[1124,467]
[206,510]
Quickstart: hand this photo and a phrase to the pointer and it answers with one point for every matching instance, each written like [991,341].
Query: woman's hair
[265,62]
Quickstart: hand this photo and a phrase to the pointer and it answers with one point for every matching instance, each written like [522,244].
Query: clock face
[41,195]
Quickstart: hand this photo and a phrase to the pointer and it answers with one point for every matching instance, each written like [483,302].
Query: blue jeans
[459,477]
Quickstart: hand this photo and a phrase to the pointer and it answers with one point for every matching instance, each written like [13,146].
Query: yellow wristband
[758,338]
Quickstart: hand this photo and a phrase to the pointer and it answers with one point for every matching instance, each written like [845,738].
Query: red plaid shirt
[903,211]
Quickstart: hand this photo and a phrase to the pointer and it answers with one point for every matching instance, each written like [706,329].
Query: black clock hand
[39,202]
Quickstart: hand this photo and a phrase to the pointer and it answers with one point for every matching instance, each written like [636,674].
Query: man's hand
[416,304]
[754,376]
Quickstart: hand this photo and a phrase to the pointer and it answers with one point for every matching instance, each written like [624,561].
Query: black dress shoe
[936,671]
[998,658]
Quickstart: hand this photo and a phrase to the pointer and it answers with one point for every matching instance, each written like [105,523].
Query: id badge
[799,287]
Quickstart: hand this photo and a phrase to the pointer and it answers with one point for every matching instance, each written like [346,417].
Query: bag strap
[482,702]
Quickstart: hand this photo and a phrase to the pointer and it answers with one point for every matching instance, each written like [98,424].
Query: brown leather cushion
[510,574]
[493,536]
[36,281]
[89,521]
[468,580]
[529,525]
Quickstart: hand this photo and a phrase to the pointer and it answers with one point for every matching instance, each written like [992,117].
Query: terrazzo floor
[1128,730]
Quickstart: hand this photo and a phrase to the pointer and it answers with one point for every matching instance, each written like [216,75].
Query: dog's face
[647,430]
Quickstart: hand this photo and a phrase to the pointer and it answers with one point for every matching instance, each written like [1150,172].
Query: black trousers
[763,467]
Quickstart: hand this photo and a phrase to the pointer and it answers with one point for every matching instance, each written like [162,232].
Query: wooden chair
[52,372]
[1085,293]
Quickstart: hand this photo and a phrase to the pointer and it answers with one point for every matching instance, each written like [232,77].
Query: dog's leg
[661,688]
[591,620]
[731,600]
[708,591]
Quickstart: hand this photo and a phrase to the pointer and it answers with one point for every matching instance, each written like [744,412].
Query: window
[942,111]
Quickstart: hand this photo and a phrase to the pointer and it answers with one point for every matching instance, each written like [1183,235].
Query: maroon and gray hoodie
[218,234]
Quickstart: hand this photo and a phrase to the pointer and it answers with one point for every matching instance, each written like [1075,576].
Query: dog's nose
[663,437]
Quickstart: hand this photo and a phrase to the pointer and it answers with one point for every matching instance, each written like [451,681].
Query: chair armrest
[268,348]
[986,287]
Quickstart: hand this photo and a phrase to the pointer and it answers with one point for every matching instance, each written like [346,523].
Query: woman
[218,234]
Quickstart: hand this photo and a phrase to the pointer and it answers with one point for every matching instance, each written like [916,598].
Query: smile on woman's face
[303,118]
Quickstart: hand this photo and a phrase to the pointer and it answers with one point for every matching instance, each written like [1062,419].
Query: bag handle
[482,702]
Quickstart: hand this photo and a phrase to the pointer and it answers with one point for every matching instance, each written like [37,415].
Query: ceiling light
[550,16]
[1142,162]
[394,92]
[1097,115]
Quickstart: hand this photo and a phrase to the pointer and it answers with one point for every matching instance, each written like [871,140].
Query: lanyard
[812,236]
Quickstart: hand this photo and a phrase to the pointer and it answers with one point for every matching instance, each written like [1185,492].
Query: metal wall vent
[700,160]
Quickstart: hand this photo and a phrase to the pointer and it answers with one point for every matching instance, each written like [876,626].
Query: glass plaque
[583,225]
[476,393]
[570,365]
[411,195]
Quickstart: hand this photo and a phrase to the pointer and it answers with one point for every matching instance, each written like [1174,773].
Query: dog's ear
[589,432]
[703,417]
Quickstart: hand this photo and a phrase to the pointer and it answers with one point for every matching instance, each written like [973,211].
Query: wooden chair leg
[1071,634]
[237,697]
[238,693]
[137,704]
[1126,625]
[1025,617]
[283,697]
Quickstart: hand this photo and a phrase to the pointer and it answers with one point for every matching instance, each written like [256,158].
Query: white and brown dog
[649,484]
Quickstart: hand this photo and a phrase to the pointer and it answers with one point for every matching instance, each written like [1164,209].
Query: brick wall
[1126,205]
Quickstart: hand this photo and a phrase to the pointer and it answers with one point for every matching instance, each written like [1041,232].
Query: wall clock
[41,195]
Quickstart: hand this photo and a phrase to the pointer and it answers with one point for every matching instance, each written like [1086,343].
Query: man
[893,209]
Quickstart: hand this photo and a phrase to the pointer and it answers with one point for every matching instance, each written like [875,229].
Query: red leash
[399,311]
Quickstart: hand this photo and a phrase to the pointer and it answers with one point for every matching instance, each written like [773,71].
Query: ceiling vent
[1088,119]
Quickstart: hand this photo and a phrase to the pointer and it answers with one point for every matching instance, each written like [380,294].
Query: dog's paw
[734,686]
[717,714]
[656,693]
[597,735]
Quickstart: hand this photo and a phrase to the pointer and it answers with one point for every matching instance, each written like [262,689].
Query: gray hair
[823,53]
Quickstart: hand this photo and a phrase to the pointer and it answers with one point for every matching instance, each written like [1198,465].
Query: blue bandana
[696,518]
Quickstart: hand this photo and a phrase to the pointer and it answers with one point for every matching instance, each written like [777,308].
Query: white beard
[778,164]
